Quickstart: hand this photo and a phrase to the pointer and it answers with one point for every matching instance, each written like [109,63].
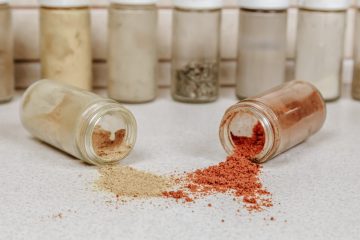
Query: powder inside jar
[109,145]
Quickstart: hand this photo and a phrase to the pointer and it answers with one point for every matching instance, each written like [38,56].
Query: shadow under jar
[65,42]
[6,53]
[287,115]
[132,52]
[320,44]
[196,50]
[356,79]
[262,46]
[91,128]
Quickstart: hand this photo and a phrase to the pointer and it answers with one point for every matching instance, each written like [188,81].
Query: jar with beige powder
[65,42]
[6,53]
[132,51]
[262,46]
[356,79]
[320,44]
[91,128]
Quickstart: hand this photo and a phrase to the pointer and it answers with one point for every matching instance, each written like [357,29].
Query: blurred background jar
[91,128]
[6,53]
[196,50]
[356,74]
[262,46]
[65,42]
[320,44]
[132,51]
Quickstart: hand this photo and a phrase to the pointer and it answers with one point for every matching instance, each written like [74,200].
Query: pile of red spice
[237,175]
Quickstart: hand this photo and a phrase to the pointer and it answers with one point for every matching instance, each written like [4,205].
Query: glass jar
[262,46]
[356,79]
[89,127]
[196,50]
[6,53]
[65,42]
[288,114]
[132,52]
[320,44]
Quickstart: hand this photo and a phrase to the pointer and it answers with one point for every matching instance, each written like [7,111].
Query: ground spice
[238,175]
[125,181]
[108,144]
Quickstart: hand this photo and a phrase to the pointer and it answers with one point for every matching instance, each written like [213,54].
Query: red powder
[237,175]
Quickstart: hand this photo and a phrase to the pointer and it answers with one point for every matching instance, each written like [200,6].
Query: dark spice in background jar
[197,80]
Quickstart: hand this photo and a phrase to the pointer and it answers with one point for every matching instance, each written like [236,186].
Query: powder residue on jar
[109,145]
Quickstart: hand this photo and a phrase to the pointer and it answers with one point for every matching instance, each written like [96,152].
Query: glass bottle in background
[132,51]
[288,115]
[196,50]
[87,126]
[65,42]
[6,53]
[262,46]
[356,75]
[320,44]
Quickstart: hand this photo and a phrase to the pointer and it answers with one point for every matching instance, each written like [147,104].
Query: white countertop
[315,186]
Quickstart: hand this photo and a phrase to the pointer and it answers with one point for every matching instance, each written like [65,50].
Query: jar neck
[144,7]
[89,123]
[236,117]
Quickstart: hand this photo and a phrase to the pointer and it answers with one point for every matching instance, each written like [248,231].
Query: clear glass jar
[87,126]
[356,80]
[262,46]
[320,44]
[65,42]
[132,52]
[288,114]
[6,53]
[196,50]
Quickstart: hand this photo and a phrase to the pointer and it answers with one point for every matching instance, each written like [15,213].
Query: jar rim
[134,2]
[247,106]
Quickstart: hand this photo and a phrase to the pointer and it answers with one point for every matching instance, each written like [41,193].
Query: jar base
[192,100]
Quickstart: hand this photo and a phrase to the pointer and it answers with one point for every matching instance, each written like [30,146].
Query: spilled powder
[128,182]
[237,176]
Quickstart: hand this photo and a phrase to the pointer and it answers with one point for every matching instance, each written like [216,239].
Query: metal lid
[264,4]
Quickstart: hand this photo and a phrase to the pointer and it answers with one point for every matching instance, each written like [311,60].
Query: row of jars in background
[132,52]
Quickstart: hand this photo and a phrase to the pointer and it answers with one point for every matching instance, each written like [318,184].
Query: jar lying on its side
[6,53]
[288,114]
[87,126]
[196,50]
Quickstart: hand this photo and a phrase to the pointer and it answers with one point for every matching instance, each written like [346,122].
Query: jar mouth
[110,135]
[245,121]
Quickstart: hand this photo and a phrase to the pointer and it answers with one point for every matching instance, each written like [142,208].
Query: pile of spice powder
[237,175]
[125,182]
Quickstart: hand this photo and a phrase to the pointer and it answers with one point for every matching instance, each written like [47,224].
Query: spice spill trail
[237,176]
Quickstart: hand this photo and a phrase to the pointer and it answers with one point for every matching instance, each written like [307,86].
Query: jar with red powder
[281,118]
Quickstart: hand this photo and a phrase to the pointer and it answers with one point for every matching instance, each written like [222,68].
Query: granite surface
[46,194]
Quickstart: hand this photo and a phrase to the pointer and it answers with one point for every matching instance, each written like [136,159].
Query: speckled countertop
[46,194]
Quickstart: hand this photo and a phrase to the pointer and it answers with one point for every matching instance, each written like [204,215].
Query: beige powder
[66,46]
[128,182]
[6,54]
